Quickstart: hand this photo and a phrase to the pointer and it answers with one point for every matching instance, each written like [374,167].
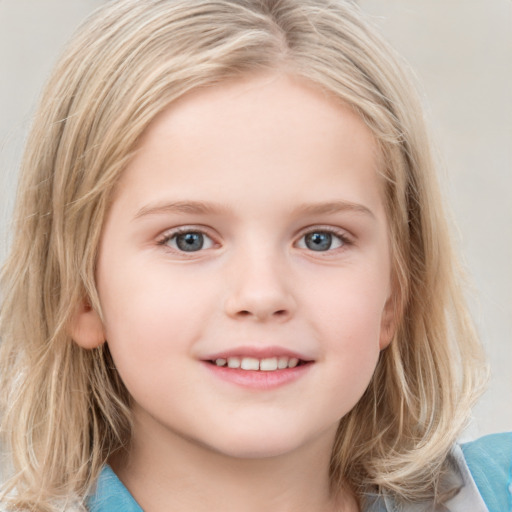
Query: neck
[181,476]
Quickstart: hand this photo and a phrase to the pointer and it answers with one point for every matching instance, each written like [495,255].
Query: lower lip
[258,379]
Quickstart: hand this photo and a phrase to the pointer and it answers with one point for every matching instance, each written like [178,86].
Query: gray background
[461,51]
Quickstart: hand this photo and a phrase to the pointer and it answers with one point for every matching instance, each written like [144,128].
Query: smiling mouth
[269,364]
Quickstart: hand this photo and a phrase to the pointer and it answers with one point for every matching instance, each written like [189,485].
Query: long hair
[64,409]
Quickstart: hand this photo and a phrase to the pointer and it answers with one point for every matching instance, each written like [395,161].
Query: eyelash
[344,238]
[170,235]
[173,234]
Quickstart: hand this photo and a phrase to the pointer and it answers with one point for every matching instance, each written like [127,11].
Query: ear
[388,323]
[86,327]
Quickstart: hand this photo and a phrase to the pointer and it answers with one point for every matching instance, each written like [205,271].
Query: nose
[259,289]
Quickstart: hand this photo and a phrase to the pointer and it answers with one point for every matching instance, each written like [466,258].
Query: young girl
[231,285]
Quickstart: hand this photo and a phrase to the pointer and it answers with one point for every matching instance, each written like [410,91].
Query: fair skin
[248,229]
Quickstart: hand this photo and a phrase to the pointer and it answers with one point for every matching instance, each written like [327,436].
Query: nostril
[246,313]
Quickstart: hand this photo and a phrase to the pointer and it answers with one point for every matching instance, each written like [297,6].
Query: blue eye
[189,241]
[321,241]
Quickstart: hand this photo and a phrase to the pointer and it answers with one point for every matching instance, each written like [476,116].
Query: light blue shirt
[490,462]
[483,468]
[111,495]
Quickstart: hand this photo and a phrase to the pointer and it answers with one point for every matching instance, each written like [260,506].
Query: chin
[255,452]
[261,444]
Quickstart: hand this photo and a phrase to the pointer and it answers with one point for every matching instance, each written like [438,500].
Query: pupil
[318,241]
[190,242]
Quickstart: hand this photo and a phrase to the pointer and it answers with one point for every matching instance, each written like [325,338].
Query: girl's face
[248,232]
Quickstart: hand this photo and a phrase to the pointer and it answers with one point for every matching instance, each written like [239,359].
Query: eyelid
[169,234]
[343,234]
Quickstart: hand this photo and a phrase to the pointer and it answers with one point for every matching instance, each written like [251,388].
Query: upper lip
[263,352]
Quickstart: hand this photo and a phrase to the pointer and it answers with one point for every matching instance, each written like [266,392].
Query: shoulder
[489,460]
[478,477]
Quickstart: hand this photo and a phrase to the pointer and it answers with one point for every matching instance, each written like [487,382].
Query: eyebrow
[185,207]
[205,208]
[332,207]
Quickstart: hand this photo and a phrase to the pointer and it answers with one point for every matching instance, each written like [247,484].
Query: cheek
[350,302]
[351,358]
[348,321]
[152,317]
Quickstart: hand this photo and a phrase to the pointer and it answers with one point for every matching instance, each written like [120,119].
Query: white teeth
[234,362]
[282,363]
[250,363]
[268,365]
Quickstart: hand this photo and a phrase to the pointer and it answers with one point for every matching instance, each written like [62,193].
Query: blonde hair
[64,409]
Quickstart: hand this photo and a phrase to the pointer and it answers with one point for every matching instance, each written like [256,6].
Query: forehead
[264,132]
[266,106]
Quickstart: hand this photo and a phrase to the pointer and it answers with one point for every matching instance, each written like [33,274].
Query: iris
[190,241]
[318,241]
